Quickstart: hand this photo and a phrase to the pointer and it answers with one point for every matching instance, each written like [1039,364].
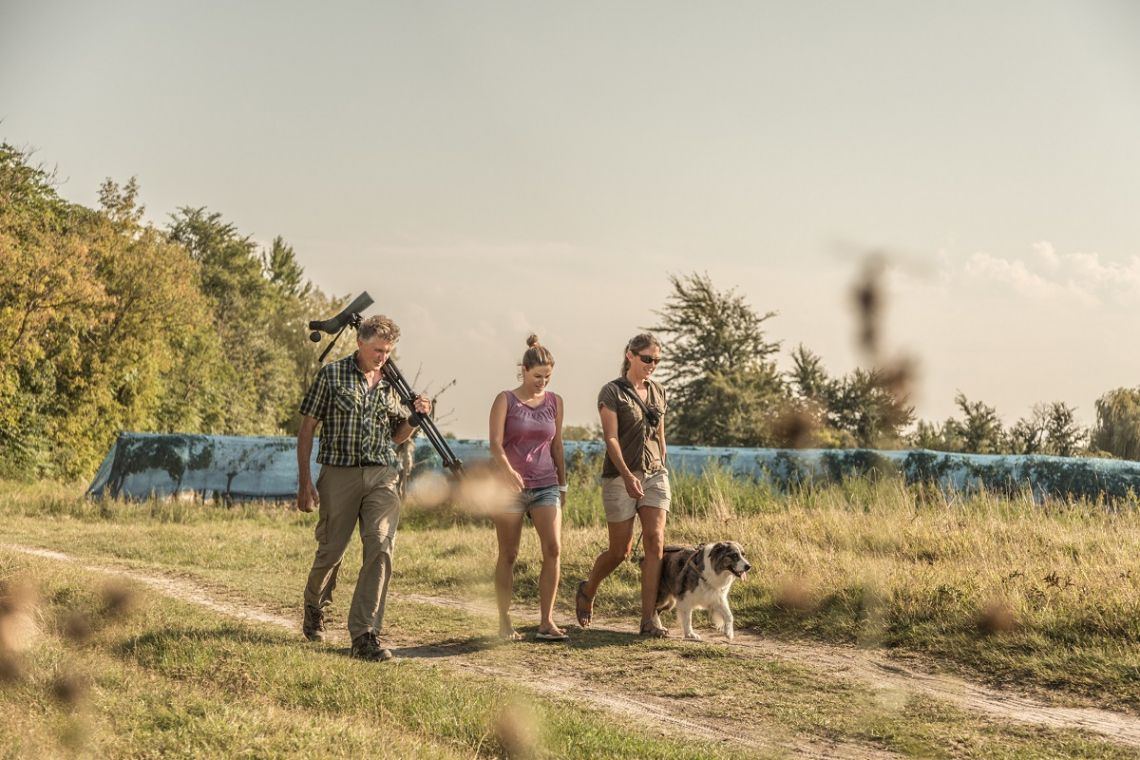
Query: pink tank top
[527,434]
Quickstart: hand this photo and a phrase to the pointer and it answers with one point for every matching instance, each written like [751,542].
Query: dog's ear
[717,553]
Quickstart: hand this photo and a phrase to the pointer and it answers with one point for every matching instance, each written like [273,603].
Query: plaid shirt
[356,423]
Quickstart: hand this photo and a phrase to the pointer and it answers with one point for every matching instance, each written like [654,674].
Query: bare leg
[621,543]
[508,529]
[548,524]
[653,541]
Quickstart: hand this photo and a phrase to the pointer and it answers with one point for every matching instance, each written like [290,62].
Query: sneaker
[314,625]
[367,647]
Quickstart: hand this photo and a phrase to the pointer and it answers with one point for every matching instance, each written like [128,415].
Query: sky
[489,169]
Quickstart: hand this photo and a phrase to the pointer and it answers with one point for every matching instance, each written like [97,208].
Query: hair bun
[532,341]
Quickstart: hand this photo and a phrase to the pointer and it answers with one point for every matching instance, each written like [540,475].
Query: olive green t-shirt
[639,446]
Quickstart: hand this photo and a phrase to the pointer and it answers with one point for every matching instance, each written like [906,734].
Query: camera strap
[645,410]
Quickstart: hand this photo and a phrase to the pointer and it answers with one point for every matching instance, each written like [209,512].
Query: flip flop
[545,636]
[583,606]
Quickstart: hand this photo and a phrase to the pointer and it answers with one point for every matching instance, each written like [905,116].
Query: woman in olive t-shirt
[635,482]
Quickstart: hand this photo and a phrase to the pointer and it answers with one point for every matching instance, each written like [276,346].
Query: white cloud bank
[1080,278]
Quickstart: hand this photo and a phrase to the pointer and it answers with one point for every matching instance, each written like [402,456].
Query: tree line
[726,389]
[109,324]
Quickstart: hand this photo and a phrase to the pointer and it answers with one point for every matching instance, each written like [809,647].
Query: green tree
[47,287]
[108,324]
[258,374]
[722,382]
[931,435]
[858,409]
[808,378]
[1028,435]
[1050,429]
[1064,435]
[96,313]
[980,430]
[283,271]
[1117,428]
[118,373]
[863,404]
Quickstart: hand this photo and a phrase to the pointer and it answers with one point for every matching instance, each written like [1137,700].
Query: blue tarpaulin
[140,465]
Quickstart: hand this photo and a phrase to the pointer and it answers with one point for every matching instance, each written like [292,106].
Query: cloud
[1049,276]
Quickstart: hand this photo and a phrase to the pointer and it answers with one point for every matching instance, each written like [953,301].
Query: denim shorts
[528,498]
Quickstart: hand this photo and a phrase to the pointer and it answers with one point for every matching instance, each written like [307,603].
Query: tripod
[394,377]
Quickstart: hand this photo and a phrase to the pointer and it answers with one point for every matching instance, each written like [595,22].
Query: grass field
[1040,600]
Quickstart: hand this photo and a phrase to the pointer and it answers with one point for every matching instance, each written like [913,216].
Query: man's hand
[307,497]
[422,404]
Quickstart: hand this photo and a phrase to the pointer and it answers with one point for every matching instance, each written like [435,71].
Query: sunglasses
[649,359]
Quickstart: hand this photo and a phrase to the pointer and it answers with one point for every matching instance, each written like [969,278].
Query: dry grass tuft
[792,595]
[119,602]
[795,428]
[996,618]
[76,627]
[516,727]
[18,629]
[69,689]
[429,490]
[483,491]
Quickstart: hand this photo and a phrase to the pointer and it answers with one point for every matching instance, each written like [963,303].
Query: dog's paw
[692,637]
[729,635]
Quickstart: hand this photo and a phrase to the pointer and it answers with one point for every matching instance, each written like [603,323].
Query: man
[362,420]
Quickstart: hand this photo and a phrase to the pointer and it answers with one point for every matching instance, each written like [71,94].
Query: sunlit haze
[486,170]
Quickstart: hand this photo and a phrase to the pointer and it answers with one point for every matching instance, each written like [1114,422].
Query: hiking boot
[366,647]
[314,625]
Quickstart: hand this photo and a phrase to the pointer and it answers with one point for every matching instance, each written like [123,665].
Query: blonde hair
[378,326]
[536,354]
[637,344]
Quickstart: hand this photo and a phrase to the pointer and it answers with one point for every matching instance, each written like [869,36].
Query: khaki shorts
[620,506]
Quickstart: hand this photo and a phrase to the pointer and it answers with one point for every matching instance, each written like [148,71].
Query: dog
[699,578]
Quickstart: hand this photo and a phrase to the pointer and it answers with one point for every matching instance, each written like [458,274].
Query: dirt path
[876,670]
[866,667]
[645,709]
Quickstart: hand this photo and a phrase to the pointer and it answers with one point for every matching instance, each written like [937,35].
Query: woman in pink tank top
[526,443]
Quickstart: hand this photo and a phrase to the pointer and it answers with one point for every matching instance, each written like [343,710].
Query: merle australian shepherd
[699,578]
